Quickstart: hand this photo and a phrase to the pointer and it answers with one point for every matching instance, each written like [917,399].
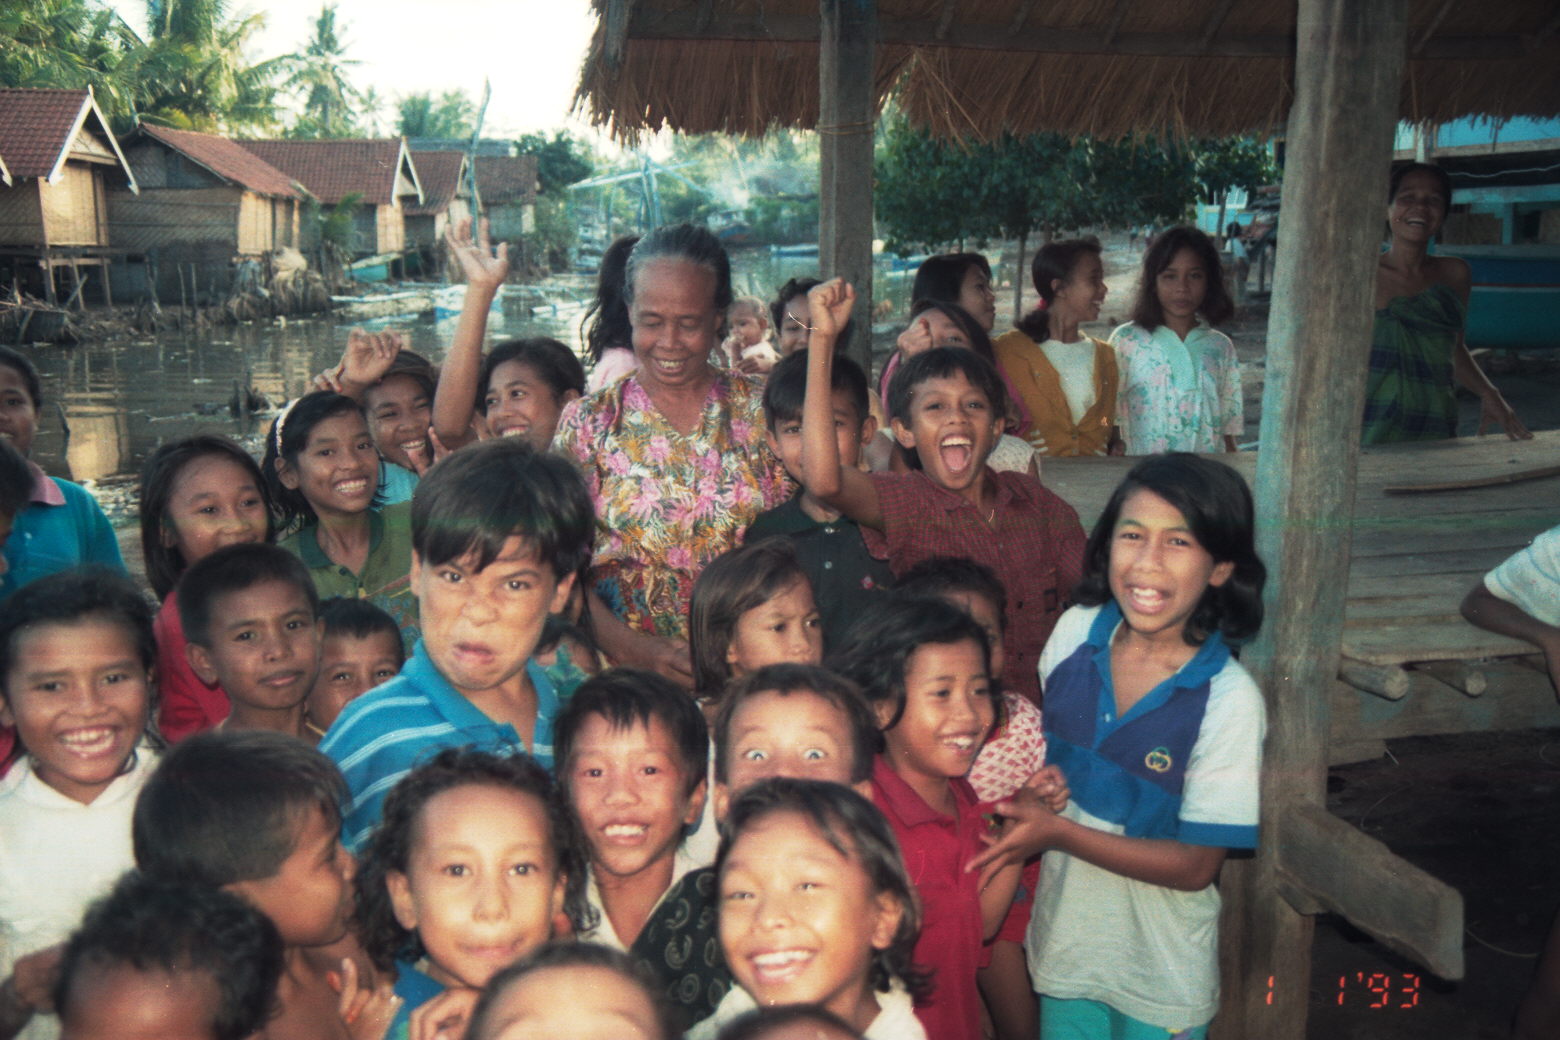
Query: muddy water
[122,399]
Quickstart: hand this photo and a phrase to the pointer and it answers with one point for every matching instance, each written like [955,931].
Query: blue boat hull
[1515,303]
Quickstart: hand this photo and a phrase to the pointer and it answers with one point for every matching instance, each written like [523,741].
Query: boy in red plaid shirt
[946,406]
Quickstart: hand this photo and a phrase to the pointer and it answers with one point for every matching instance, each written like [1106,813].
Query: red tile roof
[505,179]
[440,174]
[225,158]
[332,170]
[36,126]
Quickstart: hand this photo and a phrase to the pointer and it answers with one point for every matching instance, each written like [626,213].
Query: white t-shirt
[1074,364]
[1530,579]
[56,857]
[1149,951]
[895,1021]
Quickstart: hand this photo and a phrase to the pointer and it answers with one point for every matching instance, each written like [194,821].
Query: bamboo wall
[73,211]
[21,216]
[390,229]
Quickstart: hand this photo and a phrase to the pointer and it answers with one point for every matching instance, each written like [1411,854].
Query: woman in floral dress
[674,455]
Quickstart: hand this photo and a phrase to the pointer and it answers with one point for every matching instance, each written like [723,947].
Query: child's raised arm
[1033,828]
[842,487]
[485,267]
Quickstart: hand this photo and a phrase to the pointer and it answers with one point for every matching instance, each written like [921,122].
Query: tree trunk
[1018,279]
[1224,197]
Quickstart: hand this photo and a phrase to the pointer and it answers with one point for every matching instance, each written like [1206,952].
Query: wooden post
[1349,59]
[847,111]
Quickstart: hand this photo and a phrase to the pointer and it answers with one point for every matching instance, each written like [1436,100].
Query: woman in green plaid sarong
[1418,354]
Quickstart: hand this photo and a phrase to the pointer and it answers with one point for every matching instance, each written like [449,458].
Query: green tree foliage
[190,71]
[562,159]
[1232,162]
[318,74]
[451,114]
[931,192]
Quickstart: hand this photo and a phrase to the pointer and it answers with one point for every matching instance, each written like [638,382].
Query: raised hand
[829,306]
[445,1016]
[916,339]
[367,358]
[367,1010]
[483,266]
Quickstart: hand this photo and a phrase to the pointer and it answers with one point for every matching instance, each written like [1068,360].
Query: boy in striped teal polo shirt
[498,532]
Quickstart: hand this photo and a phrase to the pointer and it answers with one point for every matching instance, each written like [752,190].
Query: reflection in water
[123,399]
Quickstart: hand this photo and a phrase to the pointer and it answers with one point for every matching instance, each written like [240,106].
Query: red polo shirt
[936,848]
[1033,543]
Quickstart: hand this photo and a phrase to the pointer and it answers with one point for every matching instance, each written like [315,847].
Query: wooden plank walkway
[1413,557]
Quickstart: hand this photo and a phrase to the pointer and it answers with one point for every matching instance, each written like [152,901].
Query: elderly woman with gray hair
[673,453]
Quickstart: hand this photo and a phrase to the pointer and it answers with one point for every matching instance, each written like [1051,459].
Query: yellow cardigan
[1052,430]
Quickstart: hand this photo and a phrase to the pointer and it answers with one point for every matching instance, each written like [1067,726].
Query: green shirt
[386,576]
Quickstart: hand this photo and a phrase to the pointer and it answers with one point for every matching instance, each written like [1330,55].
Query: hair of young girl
[939,577]
[752,304]
[857,830]
[875,653]
[730,585]
[71,597]
[773,1022]
[287,440]
[24,367]
[801,286]
[177,929]
[358,619]
[16,479]
[785,680]
[565,954]
[1217,307]
[944,363]
[415,367]
[1443,181]
[979,338]
[393,841]
[160,476]
[606,320]
[225,807]
[941,277]
[234,568]
[690,244]
[786,389]
[1053,262]
[1216,503]
[554,364]
[629,697]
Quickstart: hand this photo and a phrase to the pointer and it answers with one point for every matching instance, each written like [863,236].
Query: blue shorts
[1091,1020]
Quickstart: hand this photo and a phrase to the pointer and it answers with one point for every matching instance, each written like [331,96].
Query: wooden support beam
[1113,27]
[1021,15]
[846,118]
[615,22]
[1459,675]
[945,18]
[1333,867]
[1214,23]
[1384,680]
[1349,62]
[650,24]
[1431,26]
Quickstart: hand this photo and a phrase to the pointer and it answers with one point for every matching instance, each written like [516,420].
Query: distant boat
[800,249]
[1515,297]
[381,305]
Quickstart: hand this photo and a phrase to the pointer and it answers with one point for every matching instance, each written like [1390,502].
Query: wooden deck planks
[1413,557]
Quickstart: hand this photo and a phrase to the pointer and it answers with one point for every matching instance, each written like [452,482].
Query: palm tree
[193,73]
[319,74]
[69,43]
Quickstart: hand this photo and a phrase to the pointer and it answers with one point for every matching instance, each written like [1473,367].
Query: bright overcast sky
[530,49]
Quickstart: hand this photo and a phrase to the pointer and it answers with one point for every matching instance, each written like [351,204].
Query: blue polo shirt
[1184,763]
[62,526]
[391,729]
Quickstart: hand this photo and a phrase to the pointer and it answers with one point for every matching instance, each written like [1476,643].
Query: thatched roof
[976,68]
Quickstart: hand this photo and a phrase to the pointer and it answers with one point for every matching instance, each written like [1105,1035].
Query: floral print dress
[668,503]
[1177,395]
